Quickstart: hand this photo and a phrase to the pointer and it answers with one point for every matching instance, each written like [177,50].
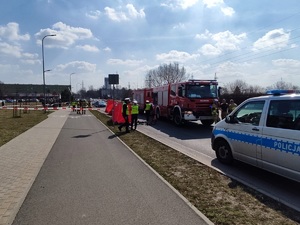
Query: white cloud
[183,4]
[12,50]
[107,49]
[223,41]
[127,62]
[93,14]
[286,63]
[206,35]
[275,39]
[11,33]
[213,3]
[88,48]
[179,26]
[133,13]
[115,16]
[118,16]
[78,66]
[65,35]
[227,11]
[176,56]
[210,50]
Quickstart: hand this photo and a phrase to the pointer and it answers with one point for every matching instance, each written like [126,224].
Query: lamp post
[44,84]
[70,89]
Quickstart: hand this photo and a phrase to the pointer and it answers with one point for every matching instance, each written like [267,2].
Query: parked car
[99,104]
[264,132]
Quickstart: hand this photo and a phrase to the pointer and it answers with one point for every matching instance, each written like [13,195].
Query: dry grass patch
[12,125]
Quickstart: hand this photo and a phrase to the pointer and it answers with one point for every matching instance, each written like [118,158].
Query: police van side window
[284,114]
[250,113]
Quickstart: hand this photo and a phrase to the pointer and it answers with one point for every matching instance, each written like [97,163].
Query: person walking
[232,105]
[224,108]
[134,115]
[148,110]
[126,112]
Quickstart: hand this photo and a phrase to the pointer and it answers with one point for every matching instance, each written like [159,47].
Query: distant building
[28,91]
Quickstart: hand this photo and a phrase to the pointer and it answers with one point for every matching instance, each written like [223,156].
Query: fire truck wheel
[177,118]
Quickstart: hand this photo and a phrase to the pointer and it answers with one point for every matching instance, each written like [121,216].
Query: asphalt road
[90,177]
[193,140]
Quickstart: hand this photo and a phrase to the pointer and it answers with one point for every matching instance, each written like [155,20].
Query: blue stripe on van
[274,144]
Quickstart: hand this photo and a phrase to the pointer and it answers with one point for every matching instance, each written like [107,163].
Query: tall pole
[44,83]
[70,89]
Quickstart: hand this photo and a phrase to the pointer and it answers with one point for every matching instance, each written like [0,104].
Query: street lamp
[70,89]
[44,84]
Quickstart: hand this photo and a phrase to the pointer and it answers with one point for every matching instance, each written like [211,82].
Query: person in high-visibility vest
[148,110]
[126,113]
[215,111]
[232,105]
[134,115]
[73,105]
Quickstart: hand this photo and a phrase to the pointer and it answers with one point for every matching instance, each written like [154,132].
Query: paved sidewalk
[21,160]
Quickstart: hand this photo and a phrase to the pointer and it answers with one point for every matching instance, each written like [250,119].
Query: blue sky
[255,41]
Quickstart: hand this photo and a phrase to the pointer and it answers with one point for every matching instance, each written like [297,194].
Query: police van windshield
[202,91]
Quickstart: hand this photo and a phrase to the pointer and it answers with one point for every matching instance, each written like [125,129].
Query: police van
[264,132]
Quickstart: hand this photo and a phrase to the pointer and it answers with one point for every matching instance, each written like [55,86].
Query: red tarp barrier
[109,106]
[117,115]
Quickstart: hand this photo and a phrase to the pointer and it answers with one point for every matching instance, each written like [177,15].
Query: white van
[264,132]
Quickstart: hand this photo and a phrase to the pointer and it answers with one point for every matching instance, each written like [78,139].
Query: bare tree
[283,86]
[165,74]
[256,89]
[237,87]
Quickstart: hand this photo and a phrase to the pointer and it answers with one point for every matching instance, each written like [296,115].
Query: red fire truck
[185,101]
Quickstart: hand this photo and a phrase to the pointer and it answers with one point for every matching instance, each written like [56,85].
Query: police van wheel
[223,152]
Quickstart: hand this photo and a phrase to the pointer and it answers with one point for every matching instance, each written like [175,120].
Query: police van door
[247,131]
[281,138]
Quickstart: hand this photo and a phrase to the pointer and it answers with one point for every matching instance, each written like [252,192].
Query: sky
[256,41]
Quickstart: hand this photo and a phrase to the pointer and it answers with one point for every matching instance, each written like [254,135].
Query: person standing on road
[126,112]
[215,111]
[224,108]
[232,105]
[148,110]
[134,115]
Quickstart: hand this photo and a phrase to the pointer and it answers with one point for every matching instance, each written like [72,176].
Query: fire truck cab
[186,101]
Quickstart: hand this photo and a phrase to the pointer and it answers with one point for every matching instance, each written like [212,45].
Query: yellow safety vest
[134,109]
[231,107]
[148,106]
[214,110]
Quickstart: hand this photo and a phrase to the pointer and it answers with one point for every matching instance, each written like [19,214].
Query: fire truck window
[195,91]
[173,90]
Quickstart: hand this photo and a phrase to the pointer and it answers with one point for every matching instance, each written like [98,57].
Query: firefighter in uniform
[126,113]
[148,110]
[83,106]
[74,105]
[215,111]
[134,115]
[232,105]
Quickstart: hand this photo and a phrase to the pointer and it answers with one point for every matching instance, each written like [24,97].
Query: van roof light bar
[277,92]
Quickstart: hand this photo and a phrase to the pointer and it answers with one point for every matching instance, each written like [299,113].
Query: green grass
[13,123]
